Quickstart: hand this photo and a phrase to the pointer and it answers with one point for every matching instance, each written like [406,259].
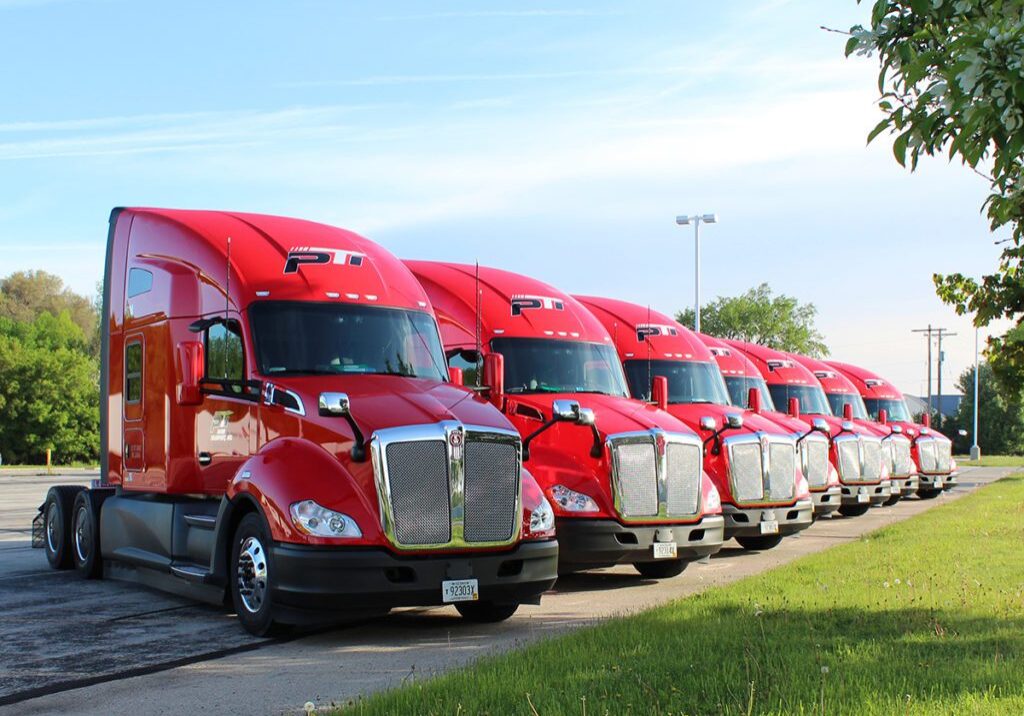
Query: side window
[225,360]
[133,372]
[140,281]
[467,360]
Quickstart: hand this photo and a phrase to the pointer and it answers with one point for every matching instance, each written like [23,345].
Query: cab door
[224,423]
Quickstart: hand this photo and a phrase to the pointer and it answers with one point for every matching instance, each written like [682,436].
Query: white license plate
[460,590]
[770,527]
[863,497]
[664,550]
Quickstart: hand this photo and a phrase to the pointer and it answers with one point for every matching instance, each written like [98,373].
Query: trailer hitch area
[567,411]
[38,528]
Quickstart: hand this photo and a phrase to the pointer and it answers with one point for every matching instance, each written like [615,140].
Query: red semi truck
[845,400]
[625,478]
[279,430]
[756,465]
[931,451]
[742,376]
[857,453]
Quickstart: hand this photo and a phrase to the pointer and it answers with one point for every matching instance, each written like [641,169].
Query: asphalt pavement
[103,647]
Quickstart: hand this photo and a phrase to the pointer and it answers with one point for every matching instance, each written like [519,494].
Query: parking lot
[72,646]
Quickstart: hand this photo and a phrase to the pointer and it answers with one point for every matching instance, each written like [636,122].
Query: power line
[939,333]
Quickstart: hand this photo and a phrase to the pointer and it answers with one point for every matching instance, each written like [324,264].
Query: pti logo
[303,255]
[522,302]
[646,330]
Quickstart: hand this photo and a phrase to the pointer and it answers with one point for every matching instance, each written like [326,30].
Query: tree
[952,82]
[757,316]
[1000,419]
[25,295]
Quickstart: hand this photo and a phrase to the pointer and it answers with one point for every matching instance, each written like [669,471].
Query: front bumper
[905,486]
[873,495]
[589,543]
[932,483]
[747,521]
[827,501]
[951,481]
[331,579]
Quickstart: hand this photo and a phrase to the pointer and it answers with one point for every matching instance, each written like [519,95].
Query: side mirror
[455,376]
[565,410]
[734,421]
[335,404]
[847,411]
[707,424]
[962,433]
[883,416]
[586,417]
[191,362]
[794,407]
[898,430]
[848,426]
[820,426]
[494,378]
[659,391]
[754,400]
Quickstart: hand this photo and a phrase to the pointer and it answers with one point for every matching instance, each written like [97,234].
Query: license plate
[460,590]
[863,497]
[770,527]
[664,550]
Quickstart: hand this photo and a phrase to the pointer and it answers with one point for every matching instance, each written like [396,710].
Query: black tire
[251,565]
[892,500]
[759,543]
[85,536]
[853,510]
[661,570]
[486,612]
[928,494]
[57,510]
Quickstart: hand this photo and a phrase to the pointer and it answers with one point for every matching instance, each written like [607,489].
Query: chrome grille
[636,464]
[420,495]
[926,455]
[491,489]
[849,460]
[745,471]
[871,468]
[781,470]
[816,452]
[683,479]
[903,465]
[943,455]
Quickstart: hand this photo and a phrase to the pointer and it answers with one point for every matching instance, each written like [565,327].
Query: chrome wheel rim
[252,574]
[51,529]
[82,535]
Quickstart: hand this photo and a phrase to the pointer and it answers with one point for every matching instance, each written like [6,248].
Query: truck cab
[741,377]
[280,431]
[856,453]
[932,452]
[756,466]
[625,478]
[845,400]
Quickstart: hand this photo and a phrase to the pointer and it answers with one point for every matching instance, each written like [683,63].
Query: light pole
[975,450]
[696,220]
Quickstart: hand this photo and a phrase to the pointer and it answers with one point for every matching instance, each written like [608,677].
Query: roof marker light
[371,297]
[263,294]
[333,294]
[353,296]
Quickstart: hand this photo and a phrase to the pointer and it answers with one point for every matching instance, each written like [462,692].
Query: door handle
[205,459]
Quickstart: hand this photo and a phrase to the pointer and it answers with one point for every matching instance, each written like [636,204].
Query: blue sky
[557,139]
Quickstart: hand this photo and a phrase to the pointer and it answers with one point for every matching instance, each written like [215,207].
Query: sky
[557,139]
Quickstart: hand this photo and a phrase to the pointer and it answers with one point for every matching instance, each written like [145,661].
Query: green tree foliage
[49,391]
[952,82]
[1000,419]
[26,295]
[758,316]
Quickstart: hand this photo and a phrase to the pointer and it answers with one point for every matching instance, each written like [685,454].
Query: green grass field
[924,617]
[992,461]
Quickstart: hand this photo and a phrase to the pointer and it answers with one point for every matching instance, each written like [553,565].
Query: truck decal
[524,302]
[645,330]
[299,255]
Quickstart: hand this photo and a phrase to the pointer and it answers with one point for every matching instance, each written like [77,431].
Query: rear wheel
[57,511]
[252,577]
[661,570]
[486,612]
[853,510]
[760,542]
[85,537]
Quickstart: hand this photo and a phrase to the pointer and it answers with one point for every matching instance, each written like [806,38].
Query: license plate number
[863,497]
[664,550]
[460,590]
[770,527]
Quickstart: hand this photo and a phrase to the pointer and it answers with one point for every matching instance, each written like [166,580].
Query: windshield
[688,381]
[299,338]
[837,400]
[812,398]
[543,365]
[739,391]
[895,409]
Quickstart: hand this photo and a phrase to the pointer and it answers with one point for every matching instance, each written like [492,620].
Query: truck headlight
[712,499]
[316,520]
[572,501]
[542,518]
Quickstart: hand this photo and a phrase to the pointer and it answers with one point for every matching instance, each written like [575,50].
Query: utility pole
[942,332]
[928,330]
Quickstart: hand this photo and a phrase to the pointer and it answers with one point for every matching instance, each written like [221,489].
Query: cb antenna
[479,346]
[647,340]
[227,301]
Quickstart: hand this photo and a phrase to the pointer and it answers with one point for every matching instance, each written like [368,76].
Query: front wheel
[892,500]
[928,494]
[759,542]
[252,577]
[661,570]
[486,612]
[57,510]
[853,510]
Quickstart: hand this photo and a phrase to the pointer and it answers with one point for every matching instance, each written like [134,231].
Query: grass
[992,461]
[923,617]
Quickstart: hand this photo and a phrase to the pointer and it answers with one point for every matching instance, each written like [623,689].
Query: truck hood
[691,413]
[614,415]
